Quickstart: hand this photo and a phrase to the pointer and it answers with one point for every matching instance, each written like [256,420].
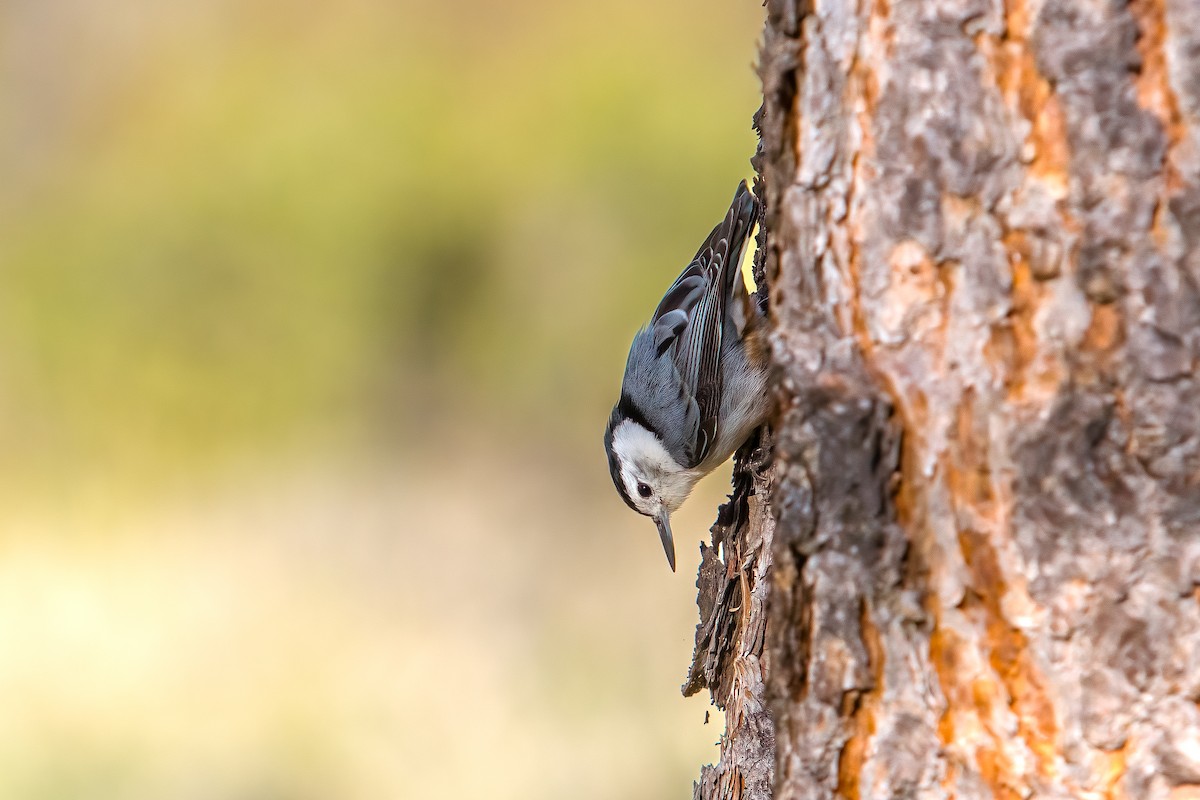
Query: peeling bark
[729,638]
[984,282]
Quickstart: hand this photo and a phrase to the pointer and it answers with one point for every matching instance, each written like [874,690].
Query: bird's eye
[643,490]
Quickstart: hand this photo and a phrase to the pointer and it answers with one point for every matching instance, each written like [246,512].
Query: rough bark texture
[729,638]
[984,268]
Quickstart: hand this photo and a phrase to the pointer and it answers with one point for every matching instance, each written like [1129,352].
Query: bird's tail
[727,241]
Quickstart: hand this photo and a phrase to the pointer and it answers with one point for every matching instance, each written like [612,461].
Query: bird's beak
[663,521]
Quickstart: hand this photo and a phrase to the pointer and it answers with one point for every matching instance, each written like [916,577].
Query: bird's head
[648,479]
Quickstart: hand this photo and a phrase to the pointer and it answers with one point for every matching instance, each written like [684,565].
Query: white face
[655,482]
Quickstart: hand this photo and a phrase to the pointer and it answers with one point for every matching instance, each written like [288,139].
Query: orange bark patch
[1114,770]
[864,706]
[1153,82]
[993,769]
[862,90]
[1014,349]
[970,477]
[1032,96]
[1011,67]
[1013,682]
[1027,294]
[1154,94]
[942,646]
[968,705]
[914,411]
[1010,658]
[1106,331]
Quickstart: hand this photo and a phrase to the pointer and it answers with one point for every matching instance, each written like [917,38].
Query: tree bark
[978,574]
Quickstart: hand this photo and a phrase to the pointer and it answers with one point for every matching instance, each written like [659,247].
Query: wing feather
[700,296]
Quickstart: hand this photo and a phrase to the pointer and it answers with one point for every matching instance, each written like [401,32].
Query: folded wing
[688,324]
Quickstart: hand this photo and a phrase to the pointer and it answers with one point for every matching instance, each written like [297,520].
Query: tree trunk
[978,576]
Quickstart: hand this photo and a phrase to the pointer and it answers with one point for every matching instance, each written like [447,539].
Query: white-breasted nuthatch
[695,384]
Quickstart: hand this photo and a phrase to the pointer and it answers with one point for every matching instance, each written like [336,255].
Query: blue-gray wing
[688,326]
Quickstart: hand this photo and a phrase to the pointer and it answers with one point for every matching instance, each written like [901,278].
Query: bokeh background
[311,316]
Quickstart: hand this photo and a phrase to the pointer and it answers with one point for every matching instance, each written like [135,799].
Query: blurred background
[311,317]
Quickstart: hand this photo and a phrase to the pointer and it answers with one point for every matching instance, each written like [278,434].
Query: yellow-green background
[311,315]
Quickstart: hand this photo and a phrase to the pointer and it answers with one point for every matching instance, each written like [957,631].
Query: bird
[695,383]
